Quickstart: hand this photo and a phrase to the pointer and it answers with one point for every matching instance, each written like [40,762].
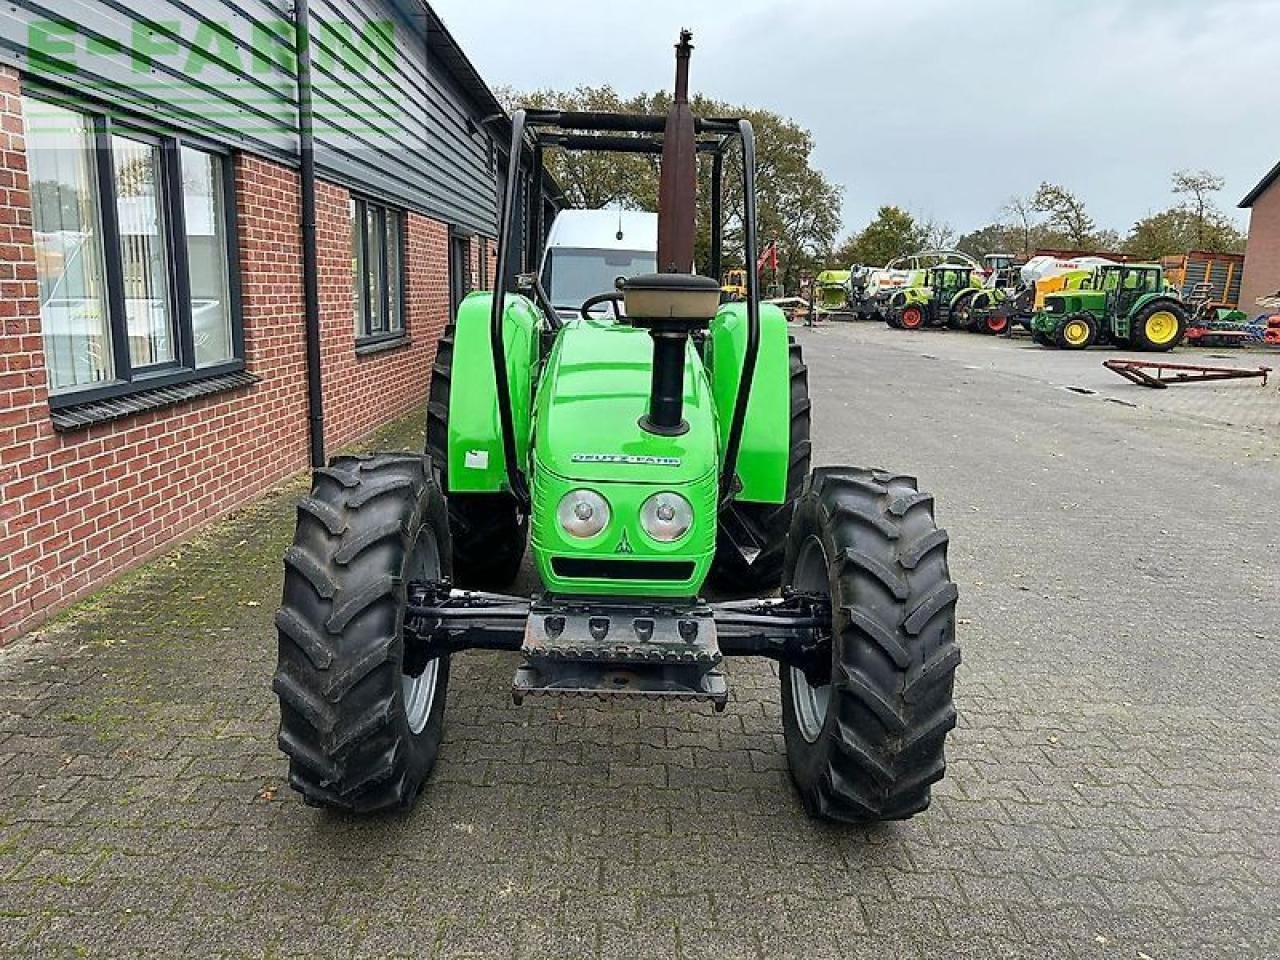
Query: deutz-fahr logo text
[626,458]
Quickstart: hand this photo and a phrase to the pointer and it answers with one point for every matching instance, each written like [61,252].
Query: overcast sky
[946,107]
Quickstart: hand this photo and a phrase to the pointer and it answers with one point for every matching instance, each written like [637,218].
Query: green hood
[587,427]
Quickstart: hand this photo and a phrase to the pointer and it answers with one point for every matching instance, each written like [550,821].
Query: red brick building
[1262,254]
[154,347]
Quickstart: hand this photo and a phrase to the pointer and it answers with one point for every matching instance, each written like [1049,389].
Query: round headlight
[583,513]
[666,516]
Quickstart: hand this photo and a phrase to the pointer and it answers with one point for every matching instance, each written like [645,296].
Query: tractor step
[592,649]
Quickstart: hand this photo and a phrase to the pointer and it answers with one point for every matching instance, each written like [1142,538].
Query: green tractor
[638,450]
[1125,304]
[939,299]
[982,312]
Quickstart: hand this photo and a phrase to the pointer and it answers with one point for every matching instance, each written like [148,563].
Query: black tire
[369,526]
[1088,320]
[488,529]
[869,538]
[975,311]
[1138,336]
[1042,339]
[958,315]
[752,537]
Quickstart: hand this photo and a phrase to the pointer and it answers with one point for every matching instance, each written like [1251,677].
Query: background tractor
[637,454]
[939,300]
[977,312]
[1127,304]
[734,287]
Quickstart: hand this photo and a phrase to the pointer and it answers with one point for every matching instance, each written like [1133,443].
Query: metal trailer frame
[1141,372]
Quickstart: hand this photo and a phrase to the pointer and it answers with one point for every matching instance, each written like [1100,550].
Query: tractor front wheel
[361,725]
[961,308]
[1077,332]
[489,532]
[911,318]
[996,324]
[1159,327]
[752,537]
[865,741]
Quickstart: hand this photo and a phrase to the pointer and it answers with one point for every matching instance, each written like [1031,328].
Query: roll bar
[531,131]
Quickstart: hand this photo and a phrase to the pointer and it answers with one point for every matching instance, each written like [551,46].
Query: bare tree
[1198,186]
[1066,213]
[1021,212]
[935,234]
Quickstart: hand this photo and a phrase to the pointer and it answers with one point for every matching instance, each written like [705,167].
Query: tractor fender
[476,463]
[764,454]
[1149,298]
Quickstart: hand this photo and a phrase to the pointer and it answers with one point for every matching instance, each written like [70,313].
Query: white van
[588,250]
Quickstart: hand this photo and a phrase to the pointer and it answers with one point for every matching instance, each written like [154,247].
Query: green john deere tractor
[938,300]
[1125,304]
[653,440]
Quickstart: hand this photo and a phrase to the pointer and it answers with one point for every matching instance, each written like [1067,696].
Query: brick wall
[77,508]
[82,506]
[1262,256]
[363,392]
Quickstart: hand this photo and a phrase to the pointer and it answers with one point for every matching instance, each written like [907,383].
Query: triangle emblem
[624,545]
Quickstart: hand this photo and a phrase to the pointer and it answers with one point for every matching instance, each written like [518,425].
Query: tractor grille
[586,568]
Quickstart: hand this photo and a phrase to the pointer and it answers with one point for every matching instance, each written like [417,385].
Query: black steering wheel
[613,298]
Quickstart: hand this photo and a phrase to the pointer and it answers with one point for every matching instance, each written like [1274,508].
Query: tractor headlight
[666,517]
[583,513]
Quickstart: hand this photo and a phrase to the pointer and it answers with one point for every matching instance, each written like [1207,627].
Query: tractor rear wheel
[1159,326]
[866,742]
[360,732]
[488,530]
[1077,332]
[752,537]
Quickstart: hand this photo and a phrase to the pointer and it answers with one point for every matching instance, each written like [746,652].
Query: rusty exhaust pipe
[677,189]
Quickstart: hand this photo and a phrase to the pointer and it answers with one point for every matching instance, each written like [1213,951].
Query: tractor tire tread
[338,676]
[895,657]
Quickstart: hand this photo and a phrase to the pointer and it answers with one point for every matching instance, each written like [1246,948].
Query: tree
[1021,212]
[1176,230]
[796,204]
[936,235]
[893,233]
[1194,224]
[1198,187]
[995,238]
[1065,213]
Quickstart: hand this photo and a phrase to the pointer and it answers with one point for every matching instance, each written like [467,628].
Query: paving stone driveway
[1112,789]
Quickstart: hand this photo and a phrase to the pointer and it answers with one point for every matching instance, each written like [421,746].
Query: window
[134,255]
[377,270]
[572,275]
[459,270]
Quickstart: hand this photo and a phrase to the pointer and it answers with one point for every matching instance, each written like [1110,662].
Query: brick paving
[1112,789]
